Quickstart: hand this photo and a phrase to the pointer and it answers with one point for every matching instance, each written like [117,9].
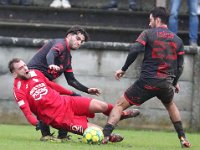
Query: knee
[168,105]
[193,13]
[193,10]
[122,103]
[103,107]
[173,15]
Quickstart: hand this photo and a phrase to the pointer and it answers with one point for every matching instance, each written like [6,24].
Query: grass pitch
[13,137]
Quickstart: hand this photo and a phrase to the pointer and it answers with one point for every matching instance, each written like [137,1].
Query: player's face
[21,70]
[76,40]
[152,21]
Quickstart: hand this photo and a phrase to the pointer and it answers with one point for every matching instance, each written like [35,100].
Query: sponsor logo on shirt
[164,34]
[38,91]
[77,128]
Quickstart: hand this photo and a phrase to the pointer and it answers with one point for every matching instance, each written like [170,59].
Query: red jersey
[40,96]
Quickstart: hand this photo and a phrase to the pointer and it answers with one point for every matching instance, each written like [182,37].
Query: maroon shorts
[74,116]
[140,92]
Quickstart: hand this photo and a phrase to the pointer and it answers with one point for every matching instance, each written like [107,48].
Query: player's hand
[119,74]
[54,67]
[177,88]
[94,91]
[38,125]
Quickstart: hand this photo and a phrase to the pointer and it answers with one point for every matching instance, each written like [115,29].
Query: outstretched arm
[134,51]
[24,106]
[58,88]
[29,116]
[77,85]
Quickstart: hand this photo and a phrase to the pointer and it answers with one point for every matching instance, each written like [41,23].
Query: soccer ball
[93,135]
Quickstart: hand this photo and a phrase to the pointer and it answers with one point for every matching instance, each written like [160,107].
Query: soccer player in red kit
[161,68]
[35,94]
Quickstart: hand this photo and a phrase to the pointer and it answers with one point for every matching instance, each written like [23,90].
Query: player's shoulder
[35,73]
[59,44]
[144,33]
[19,85]
[148,32]
[59,40]
[178,38]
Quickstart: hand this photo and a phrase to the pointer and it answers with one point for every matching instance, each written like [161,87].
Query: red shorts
[74,116]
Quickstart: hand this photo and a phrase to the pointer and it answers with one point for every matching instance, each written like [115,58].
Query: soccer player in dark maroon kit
[34,93]
[54,59]
[161,68]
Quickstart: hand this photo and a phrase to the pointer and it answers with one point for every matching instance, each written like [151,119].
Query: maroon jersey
[161,68]
[37,95]
[162,50]
[55,52]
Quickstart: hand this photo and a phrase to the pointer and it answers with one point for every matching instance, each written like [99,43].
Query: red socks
[107,112]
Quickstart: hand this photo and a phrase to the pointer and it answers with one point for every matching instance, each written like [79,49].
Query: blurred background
[26,25]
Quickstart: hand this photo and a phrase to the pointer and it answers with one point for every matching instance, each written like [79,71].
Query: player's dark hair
[11,64]
[76,29]
[161,13]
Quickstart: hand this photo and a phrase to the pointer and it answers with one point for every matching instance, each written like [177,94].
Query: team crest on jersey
[19,84]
